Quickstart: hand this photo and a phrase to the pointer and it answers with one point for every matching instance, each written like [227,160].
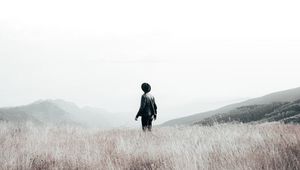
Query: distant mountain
[38,112]
[60,112]
[276,100]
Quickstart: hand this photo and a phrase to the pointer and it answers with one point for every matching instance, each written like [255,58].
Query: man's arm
[142,106]
[155,108]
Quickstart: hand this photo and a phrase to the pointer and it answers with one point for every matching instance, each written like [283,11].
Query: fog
[197,55]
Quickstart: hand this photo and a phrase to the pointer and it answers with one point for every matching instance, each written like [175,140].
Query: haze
[197,55]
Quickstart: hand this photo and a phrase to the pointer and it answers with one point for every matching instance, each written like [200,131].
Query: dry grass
[264,146]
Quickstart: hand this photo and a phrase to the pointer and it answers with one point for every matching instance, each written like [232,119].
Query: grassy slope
[239,146]
[287,112]
[281,96]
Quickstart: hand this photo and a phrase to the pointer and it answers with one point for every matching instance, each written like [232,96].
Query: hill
[287,112]
[60,112]
[290,95]
[38,112]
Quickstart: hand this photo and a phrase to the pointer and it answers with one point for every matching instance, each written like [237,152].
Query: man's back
[148,105]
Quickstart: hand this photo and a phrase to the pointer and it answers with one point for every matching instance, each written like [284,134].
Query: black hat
[146,87]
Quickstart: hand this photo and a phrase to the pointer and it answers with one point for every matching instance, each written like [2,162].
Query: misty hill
[59,112]
[275,99]
[38,112]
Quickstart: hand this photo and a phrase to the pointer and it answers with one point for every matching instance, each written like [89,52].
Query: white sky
[99,52]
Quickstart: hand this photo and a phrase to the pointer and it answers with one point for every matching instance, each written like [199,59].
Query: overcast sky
[201,54]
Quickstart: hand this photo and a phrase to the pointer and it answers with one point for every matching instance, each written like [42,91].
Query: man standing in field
[148,108]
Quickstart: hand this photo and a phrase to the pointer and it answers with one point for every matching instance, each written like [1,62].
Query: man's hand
[154,117]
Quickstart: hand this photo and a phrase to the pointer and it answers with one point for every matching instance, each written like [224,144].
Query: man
[148,108]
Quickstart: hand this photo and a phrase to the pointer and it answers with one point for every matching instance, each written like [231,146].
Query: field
[229,146]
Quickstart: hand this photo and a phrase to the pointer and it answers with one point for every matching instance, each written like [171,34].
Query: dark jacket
[148,106]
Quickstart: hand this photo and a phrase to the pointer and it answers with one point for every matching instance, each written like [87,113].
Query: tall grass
[264,146]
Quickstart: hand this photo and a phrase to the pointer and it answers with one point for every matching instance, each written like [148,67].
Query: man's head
[146,87]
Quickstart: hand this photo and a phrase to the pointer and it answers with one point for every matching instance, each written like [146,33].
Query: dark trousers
[146,123]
